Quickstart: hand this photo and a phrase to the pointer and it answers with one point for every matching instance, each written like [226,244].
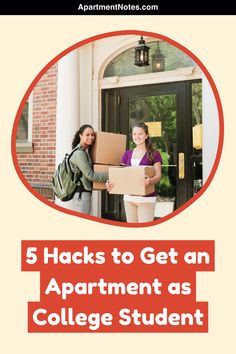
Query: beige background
[27,45]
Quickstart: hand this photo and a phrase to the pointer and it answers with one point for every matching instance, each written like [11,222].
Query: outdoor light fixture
[141,53]
[158,60]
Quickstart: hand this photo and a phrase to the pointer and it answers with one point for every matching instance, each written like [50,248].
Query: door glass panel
[161,109]
[197,135]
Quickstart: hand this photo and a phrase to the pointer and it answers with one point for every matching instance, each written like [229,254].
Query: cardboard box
[108,148]
[128,180]
[100,168]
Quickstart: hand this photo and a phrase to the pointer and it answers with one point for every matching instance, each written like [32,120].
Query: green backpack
[65,179]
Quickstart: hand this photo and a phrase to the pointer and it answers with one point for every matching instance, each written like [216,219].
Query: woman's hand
[109,185]
[147,181]
[156,178]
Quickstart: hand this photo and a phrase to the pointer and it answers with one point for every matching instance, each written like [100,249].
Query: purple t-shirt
[126,160]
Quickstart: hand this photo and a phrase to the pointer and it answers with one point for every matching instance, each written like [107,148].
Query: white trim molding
[180,74]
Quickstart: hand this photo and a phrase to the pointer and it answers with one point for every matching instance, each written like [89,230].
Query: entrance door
[169,107]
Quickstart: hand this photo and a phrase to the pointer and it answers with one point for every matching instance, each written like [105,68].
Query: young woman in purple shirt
[141,208]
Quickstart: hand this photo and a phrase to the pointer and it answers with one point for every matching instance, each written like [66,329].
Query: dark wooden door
[170,104]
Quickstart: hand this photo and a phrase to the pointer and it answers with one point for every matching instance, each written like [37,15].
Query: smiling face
[87,137]
[139,136]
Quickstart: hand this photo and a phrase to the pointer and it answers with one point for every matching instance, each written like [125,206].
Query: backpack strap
[69,157]
[80,188]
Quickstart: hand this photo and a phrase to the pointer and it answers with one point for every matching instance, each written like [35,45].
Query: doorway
[170,107]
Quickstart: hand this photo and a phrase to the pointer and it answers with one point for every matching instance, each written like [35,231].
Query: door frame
[182,89]
[180,74]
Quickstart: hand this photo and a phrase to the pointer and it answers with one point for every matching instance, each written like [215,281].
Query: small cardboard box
[129,180]
[108,148]
[100,168]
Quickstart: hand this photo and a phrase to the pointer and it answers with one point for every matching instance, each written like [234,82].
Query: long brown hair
[76,139]
[150,148]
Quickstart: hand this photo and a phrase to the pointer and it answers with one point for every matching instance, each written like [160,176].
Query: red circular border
[94,218]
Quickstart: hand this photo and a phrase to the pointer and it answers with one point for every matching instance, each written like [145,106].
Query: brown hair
[149,146]
[76,139]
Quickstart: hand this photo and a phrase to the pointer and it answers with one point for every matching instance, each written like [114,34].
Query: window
[24,130]
[123,64]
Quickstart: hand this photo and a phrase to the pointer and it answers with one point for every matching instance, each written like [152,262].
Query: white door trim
[181,74]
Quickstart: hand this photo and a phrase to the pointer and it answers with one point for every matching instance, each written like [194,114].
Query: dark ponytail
[76,139]
[149,146]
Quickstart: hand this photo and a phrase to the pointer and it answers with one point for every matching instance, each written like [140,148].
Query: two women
[137,208]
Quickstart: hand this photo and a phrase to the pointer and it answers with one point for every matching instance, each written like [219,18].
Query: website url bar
[117,7]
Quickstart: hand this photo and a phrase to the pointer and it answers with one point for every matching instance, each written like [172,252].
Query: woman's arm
[80,159]
[157,176]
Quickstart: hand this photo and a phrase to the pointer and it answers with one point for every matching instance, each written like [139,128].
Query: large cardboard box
[108,148]
[100,168]
[129,180]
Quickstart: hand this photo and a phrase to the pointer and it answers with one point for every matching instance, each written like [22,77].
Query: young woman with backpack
[83,139]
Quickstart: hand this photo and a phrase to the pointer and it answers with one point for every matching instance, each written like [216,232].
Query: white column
[86,77]
[210,120]
[97,110]
[68,112]
[89,104]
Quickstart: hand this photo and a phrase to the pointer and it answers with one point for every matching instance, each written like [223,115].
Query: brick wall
[38,167]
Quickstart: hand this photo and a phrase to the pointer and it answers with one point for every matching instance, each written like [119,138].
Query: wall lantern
[141,53]
[158,60]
